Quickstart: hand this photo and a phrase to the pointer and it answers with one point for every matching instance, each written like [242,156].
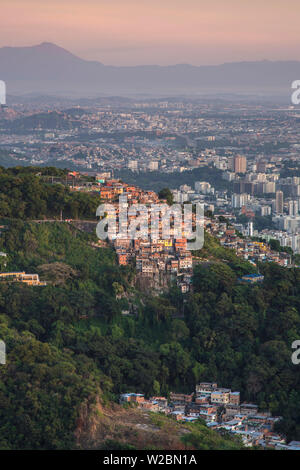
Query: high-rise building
[250,229]
[261,166]
[293,208]
[269,187]
[240,164]
[265,211]
[239,200]
[279,202]
[230,163]
[243,187]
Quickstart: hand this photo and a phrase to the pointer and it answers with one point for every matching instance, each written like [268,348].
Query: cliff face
[87,422]
[158,282]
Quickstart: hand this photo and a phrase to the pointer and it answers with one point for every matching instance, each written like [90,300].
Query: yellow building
[29,279]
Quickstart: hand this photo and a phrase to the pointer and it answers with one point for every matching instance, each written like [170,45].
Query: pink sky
[133,32]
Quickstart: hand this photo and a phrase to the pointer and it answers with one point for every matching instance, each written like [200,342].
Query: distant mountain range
[49,69]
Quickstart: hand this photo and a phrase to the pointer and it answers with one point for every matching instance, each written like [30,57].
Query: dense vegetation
[69,340]
[9,159]
[43,121]
[25,193]
[156,180]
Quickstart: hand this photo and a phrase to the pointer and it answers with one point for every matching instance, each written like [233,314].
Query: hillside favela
[149,230]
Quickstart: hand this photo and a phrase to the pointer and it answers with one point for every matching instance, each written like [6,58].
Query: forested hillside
[26,194]
[69,345]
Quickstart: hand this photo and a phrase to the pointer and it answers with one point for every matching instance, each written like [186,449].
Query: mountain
[50,69]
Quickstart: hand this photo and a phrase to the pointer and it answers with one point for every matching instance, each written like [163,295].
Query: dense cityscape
[247,153]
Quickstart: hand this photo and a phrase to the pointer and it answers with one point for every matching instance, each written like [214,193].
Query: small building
[248,409]
[234,398]
[132,398]
[205,388]
[220,396]
[181,397]
[252,278]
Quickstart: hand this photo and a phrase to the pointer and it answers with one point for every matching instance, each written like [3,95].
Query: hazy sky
[132,32]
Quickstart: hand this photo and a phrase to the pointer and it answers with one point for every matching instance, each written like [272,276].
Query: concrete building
[279,202]
[239,200]
[133,165]
[240,164]
[153,166]
[293,208]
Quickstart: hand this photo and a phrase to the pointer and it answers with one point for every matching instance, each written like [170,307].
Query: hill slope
[115,427]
